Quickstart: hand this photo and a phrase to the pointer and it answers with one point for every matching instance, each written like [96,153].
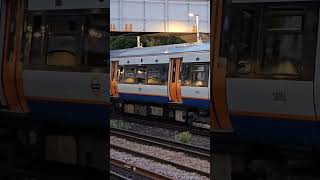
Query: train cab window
[95,45]
[64,41]
[200,74]
[141,74]
[128,74]
[282,52]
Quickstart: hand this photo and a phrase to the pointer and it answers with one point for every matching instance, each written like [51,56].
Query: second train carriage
[65,69]
[170,81]
[54,77]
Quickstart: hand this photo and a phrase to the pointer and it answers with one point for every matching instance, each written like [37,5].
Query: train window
[282,54]
[36,34]
[141,74]
[282,45]
[245,45]
[120,74]
[164,73]
[63,51]
[173,78]
[272,42]
[157,74]
[129,74]
[285,22]
[67,25]
[154,74]
[95,45]
[64,41]
[200,74]
[185,74]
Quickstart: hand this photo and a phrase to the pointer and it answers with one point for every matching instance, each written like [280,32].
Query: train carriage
[266,69]
[54,82]
[157,80]
[272,83]
[66,69]
[53,62]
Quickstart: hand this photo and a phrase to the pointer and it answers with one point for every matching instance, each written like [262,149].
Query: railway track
[195,151]
[163,124]
[178,147]
[137,170]
[116,176]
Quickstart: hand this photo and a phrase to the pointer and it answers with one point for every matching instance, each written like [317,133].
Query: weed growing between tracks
[184,137]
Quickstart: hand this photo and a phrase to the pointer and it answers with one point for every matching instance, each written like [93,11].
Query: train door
[175,82]
[114,79]
[12,17]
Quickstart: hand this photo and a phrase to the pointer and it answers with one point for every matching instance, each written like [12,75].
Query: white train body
[153,80]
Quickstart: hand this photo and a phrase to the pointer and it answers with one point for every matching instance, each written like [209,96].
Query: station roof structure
[156,16]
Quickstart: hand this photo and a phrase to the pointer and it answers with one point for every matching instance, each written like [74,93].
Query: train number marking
[279,96]
[96,86]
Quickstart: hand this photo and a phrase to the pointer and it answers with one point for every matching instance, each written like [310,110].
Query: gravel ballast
[166,170]
[169,134]
[127,173]
[172,156]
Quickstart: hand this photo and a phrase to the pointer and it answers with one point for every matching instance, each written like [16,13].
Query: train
[265,84]
[261,87]
[53,63]
[272,75]
[170,81]
[53,78]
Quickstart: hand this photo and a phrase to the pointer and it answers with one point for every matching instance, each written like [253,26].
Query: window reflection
[185,74]
[146,74]
[195,74]
[200,74]
[141,74]
[272,43]
[128,74]
[285,23]
[64,41]
[282,53]
[37,41]
[154,75]
[95,40]
[246,43]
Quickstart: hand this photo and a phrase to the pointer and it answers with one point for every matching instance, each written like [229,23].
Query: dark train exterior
[54,81]
[265,85]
